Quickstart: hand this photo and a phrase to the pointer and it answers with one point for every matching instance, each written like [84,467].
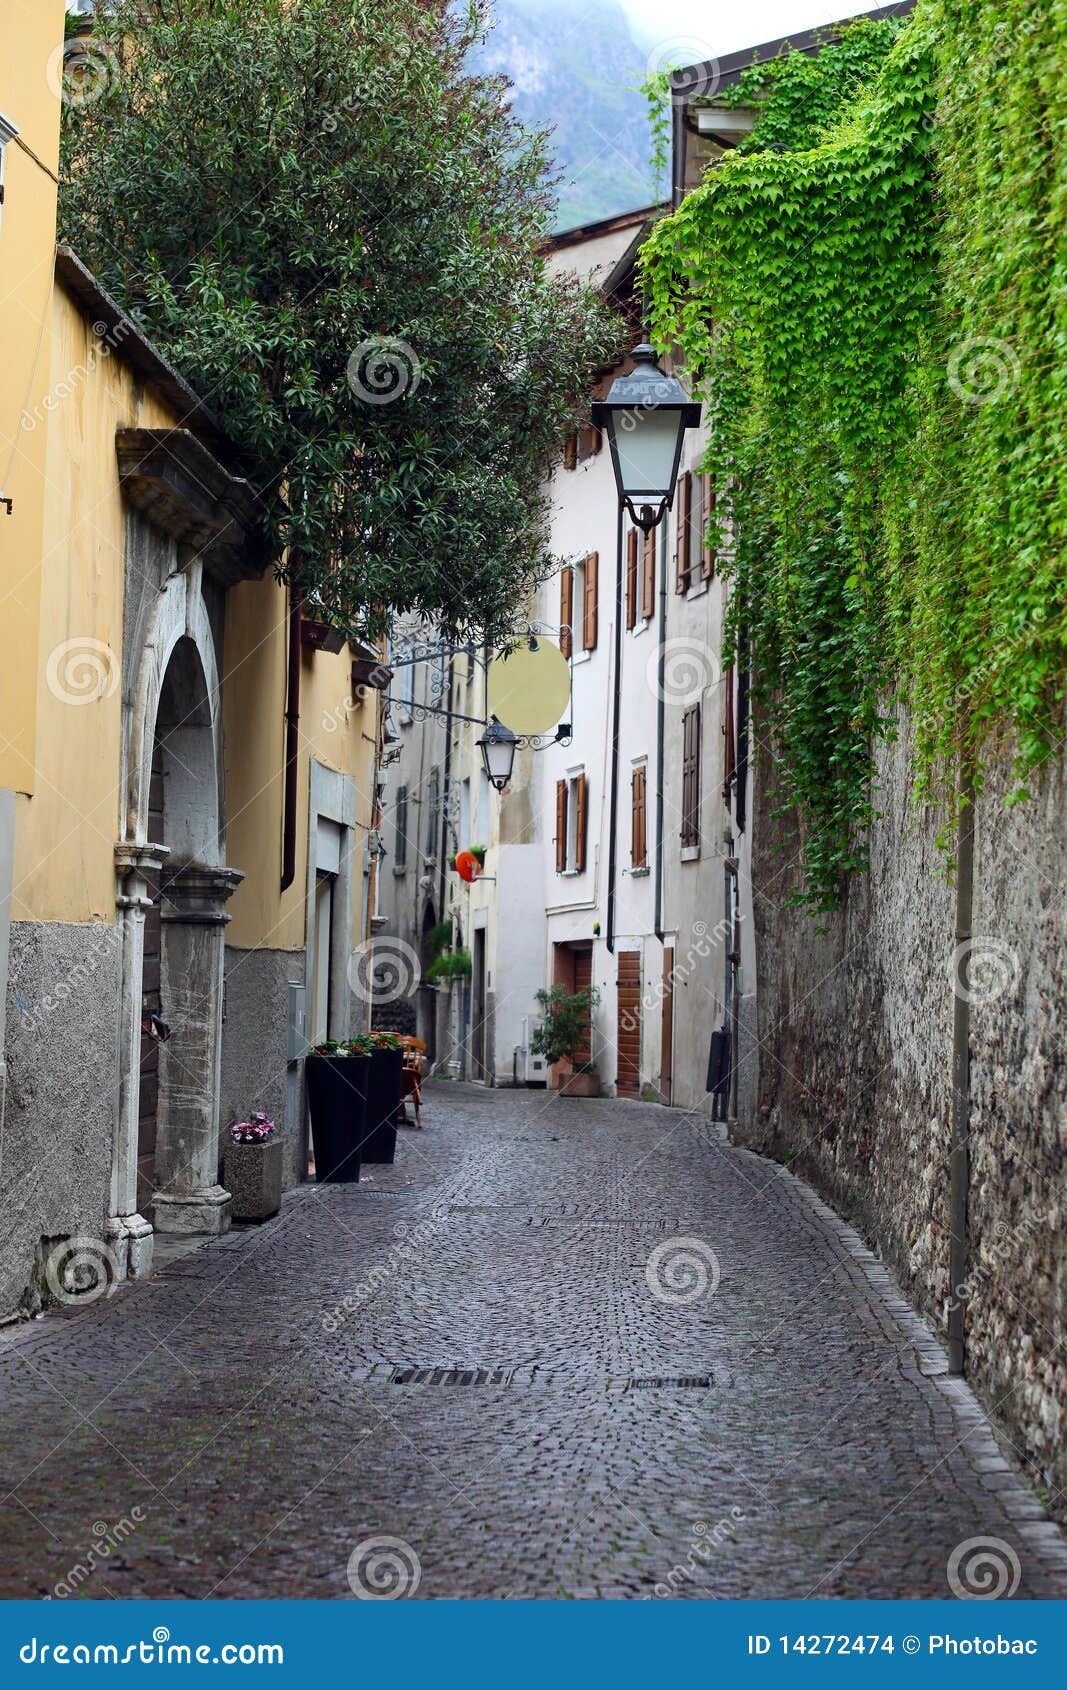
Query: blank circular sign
[529,691]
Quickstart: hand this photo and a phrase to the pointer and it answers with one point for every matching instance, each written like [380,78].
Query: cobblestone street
[636,1431]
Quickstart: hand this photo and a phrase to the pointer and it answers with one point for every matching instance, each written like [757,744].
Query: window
[571,823]
[432,804]
[631,578]
[648,575]
[638,811]
[682,570]
[579,596]
[691,779]
[400,839]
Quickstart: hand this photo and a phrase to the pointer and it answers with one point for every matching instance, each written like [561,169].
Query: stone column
[129,1234]
[188,1196]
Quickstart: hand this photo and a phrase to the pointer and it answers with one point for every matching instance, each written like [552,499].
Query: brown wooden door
[628,1076]
[583,978]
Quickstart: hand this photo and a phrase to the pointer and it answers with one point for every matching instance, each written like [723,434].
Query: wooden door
[628,1075]
[583,979]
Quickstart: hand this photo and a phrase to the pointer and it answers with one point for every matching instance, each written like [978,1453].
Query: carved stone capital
[196,893]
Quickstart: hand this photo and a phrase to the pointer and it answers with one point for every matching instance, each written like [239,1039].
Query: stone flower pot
[254,1179]
[584,1082]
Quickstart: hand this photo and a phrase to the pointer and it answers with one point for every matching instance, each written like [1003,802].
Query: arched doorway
[173,888]
[426,997]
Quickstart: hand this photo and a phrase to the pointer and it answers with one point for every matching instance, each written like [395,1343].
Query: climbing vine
[870,295]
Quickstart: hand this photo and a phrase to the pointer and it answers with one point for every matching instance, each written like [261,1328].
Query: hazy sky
[726,25]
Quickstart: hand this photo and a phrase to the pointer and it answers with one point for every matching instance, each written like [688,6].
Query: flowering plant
[254,1131]
[364,1044]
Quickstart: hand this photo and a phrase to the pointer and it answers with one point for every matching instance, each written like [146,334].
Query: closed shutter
[566,609]
[637,835]
[561,826]
[631,578]
[570,452]
[580,819]
[707,516]
[589,604]
[729,765]
[628,1074]
[691,776]
[648,576]
[400,848]
[681,566]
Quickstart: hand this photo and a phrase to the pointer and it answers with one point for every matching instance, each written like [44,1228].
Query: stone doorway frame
[197,885]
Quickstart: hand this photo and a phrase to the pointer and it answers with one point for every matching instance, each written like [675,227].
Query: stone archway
[174,726]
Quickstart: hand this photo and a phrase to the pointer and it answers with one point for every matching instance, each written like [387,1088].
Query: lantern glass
[497,746]
[647,444]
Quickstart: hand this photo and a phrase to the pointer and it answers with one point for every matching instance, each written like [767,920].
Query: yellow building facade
[189,771]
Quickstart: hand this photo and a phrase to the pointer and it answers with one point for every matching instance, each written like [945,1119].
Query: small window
[690,832]
[683,551]
[631,578]
[572,809]
[648,575]
[566,610]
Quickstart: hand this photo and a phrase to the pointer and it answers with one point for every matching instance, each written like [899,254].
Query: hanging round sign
[529,687]
[467,866]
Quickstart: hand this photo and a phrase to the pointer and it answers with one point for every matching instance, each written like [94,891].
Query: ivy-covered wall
[871,295]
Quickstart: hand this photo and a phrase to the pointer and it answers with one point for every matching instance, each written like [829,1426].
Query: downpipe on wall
[960,1155]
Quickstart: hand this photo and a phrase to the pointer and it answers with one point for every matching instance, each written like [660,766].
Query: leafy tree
[334,233]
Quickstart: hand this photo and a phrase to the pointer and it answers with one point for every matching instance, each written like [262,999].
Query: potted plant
[337,1100]
[564,1030]
[253,1165]
[385,1080]
[449,966]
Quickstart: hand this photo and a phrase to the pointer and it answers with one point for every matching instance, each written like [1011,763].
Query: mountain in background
[575,66]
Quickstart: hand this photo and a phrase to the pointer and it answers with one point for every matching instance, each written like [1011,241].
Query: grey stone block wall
[855,1068]
[62,1080]
[255,1073]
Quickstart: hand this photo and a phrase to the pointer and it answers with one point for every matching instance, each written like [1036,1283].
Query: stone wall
[255,1072]
[855,1029]
[62,1064]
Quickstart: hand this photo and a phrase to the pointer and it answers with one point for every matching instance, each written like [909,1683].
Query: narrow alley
[562,1348]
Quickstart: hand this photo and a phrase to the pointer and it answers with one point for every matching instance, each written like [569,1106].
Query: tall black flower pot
[337,1099]
[384,1085]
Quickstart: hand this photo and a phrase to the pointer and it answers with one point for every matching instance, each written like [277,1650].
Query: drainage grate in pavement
[664,1382]
[451,1375]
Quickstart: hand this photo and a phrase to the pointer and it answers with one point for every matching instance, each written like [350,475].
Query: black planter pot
[384,1084]
[337,1099]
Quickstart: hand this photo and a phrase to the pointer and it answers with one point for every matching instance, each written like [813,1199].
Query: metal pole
[960,1156]
[616,691]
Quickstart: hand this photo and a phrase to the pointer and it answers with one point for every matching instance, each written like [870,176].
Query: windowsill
[690,853]
[640,873]
[583,656]
[570,873]
[639,627]
[698,591]
[399,870]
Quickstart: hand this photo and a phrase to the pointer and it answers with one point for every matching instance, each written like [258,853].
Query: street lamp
[497,746]
[645,415]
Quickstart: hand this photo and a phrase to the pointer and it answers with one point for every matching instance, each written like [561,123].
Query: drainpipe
[661,710]
[960,1157]
[292,740]
[616,693]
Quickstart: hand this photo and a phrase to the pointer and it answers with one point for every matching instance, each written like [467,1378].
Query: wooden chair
[414,1050]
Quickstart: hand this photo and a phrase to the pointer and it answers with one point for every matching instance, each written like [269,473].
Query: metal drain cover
[451,1375]
[664,1382]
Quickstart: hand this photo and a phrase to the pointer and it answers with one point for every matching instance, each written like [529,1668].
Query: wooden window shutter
[691,776]
[707,516]
[580,823]
[596,440]
[637,841]
[589,605]
[648,576]
[681,567]
[631,578]
[570,452]
[729,764]
[566,610]
[561,826]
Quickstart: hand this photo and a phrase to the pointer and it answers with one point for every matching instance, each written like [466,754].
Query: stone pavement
[561,1349]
